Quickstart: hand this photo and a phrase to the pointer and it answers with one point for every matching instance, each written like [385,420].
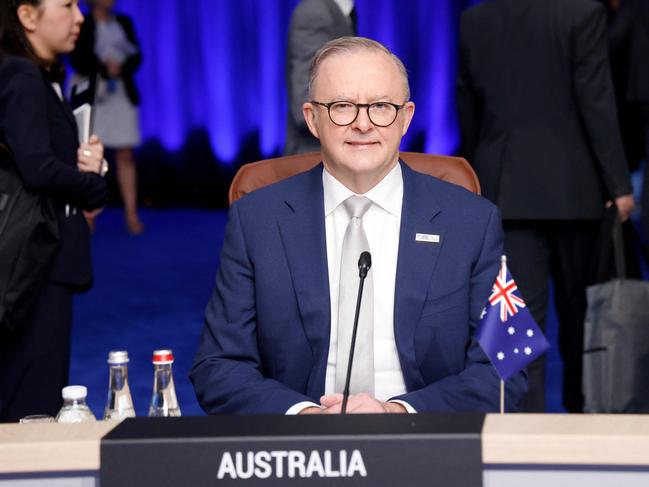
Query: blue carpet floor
[150,292]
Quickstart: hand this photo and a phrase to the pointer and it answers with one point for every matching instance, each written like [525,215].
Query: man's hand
[625,206]
[311,410]
[358,404]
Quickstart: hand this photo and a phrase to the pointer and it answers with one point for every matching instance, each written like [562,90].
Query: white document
[82,115]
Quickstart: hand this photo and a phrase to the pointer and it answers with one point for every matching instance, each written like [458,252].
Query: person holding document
[278,327]
[39,138]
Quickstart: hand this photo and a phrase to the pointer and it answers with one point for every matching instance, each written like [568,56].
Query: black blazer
[629,47]
[537,109]
[84,60]
[629,31]
[41,133]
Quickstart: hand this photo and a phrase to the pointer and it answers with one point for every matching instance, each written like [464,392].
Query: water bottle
[119,404]
[75,409]
[163,399]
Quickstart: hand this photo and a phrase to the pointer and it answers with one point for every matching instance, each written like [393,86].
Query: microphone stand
[364,264]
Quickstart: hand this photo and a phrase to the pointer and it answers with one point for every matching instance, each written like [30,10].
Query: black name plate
[361,450]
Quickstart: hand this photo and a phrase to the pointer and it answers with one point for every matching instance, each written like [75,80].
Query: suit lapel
[415,266]
[305,247]
[302,230]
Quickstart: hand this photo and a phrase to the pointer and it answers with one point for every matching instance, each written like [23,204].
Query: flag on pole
[507,332]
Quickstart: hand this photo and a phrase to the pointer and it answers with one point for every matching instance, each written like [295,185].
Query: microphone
[364,264]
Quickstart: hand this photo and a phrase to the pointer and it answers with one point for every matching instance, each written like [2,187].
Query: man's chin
[363,162]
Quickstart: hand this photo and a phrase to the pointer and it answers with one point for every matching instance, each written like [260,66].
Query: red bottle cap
[163,357]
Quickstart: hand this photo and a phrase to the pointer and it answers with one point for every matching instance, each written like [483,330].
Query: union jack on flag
[507,332]
[503,293]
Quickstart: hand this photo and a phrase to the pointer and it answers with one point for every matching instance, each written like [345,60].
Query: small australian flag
[507,332]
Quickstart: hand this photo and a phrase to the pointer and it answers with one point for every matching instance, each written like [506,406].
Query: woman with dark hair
[40,133]
[108,47]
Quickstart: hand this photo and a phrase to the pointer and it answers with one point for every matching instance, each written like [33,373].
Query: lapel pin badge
[425,237]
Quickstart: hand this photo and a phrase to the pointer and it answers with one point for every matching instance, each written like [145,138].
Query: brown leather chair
[262,173]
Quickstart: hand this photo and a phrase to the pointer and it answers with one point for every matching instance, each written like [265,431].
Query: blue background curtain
[216,68]
[214,97]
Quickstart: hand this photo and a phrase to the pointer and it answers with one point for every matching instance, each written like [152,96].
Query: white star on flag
[513,344]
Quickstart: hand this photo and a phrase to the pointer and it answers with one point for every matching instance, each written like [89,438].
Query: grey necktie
[355,242]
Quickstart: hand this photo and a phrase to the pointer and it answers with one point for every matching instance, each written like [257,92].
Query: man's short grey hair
[348,45]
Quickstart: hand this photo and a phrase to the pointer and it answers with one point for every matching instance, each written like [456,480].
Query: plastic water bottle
[119,404]
[75,409]
[163,399]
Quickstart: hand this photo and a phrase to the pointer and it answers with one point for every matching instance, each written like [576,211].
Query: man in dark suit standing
[538,121]
[278,327]
[313,24]
[629,42]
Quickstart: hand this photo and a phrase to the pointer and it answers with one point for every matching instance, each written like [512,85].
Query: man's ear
[408,113]
[27,15]
[308,110]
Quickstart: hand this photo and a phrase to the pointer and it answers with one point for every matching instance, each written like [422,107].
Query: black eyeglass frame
[358,110]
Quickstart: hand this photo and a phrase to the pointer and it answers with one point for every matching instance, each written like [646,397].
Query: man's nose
[363,122]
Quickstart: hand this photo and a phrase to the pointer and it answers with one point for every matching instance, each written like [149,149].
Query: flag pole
[502,396]
[503,263]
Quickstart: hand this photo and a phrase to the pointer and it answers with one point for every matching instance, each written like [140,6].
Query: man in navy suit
[271,334]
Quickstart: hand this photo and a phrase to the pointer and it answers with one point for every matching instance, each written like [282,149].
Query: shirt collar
[57,90]
[387,194]
[345,6]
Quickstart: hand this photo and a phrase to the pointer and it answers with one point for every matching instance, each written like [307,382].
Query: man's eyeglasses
[342,113]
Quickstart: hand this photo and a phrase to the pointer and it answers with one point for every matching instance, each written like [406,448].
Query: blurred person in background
[313,24]
[539,125]
[39,135]
[108,48]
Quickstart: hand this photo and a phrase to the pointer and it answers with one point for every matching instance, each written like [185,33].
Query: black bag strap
[601,263]
[618,246]
[617,237]
[617,249]
[642,247]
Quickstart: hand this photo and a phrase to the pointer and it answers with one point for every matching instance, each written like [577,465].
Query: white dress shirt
[57,90]
[345,6]
[381,223]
